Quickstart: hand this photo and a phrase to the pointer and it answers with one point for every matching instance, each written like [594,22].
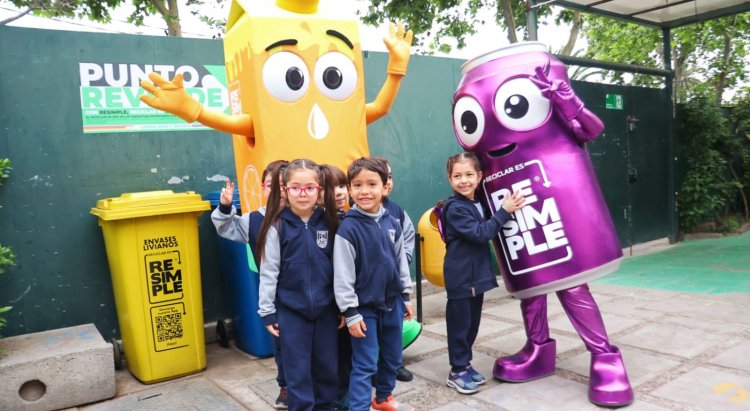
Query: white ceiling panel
[667,13]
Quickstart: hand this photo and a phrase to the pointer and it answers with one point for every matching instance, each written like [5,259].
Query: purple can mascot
[516,110]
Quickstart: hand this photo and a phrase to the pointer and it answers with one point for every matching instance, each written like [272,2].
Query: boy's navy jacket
[407,227]
[370,262]
[296,270]
[467,267]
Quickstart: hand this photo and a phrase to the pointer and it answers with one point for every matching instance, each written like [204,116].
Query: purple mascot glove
[585,124]
[563,97]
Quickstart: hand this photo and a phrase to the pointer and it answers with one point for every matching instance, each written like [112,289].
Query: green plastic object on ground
[412,329]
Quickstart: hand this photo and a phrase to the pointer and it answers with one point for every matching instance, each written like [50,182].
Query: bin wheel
[117,353]
[221,333]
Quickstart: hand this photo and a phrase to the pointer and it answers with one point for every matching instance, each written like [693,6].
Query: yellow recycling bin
[152,248]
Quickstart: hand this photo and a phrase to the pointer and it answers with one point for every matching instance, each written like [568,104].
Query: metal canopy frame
[610,8]
[629,10]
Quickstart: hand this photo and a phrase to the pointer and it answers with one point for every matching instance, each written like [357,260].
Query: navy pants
[384,330]
[345,361]
[309,359]
[279,364]
[462,316]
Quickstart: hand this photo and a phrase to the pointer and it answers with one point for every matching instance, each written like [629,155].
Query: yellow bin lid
[149,203]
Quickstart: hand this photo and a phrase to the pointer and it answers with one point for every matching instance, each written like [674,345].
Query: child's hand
[358,330]
[227,193]
[273,329]
[409,314]
[342,322]
[514,202]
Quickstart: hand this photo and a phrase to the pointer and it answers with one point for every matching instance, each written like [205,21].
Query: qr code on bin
[169,327]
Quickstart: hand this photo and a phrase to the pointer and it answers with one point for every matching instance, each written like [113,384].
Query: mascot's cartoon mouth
[502,151]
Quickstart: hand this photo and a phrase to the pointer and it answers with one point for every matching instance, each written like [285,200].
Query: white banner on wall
[110,96]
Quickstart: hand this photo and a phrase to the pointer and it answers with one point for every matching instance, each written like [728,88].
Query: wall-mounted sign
[110,96]
[613,102]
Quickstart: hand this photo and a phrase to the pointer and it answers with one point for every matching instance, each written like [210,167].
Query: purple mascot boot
[608,380]
[537,357]
[534,361]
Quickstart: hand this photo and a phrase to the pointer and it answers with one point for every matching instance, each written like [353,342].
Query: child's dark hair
[461,157]
[383,160]
[371,164]
[273,166]
[458,158]
[275,205]
[339,177]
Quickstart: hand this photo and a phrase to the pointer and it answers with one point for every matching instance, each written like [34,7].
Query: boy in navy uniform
[372,285]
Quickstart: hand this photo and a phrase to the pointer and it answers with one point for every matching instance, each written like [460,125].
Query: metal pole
[418,259]
[628,68]
[531,19]
[671,159]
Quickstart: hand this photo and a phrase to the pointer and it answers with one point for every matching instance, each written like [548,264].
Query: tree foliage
[738,148]
[436,23]
[100,10]
[708,57]
[717,149]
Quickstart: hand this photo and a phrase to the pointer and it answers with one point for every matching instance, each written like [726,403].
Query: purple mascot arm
[585,124]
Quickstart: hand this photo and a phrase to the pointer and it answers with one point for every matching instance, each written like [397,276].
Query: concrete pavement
[683,351]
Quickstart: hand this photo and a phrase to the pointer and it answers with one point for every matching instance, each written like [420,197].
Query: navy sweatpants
[309,359]
[345,361]
[383,334]
[462,316]
[279,363]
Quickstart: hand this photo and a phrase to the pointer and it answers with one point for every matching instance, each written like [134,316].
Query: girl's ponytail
[328,182]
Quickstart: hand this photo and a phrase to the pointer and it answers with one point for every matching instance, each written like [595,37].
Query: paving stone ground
[684,349]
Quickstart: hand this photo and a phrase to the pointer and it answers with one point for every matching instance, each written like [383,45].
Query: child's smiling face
[465,178]
[302,191]
[367,190]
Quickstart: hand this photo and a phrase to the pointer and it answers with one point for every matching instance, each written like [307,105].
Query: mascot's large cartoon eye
[285,76]
[468,121]
[520,106]
[335,75]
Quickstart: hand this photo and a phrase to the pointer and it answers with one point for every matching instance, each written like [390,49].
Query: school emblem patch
[322,239]
[392,233]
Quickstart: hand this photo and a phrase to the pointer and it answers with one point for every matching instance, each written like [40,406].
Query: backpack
[439,211]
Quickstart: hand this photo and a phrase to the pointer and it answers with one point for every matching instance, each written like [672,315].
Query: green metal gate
[630,158]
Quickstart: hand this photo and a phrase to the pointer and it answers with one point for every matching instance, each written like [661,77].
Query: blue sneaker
[462,382]
[475,375]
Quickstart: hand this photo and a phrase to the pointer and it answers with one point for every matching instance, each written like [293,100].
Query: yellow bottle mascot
[296,87]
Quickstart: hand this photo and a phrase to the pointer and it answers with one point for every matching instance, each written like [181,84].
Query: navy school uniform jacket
[296,270]
[467,267]
[369,263]
[407,227]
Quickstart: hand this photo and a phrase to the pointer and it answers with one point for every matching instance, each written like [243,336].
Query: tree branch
[510,23]
[159,6]
[574,30]
[14,18]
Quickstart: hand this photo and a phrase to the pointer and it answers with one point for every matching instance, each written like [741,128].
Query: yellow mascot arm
[170,96]
[399,46]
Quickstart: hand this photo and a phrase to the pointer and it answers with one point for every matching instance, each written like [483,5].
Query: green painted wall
[62,277]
